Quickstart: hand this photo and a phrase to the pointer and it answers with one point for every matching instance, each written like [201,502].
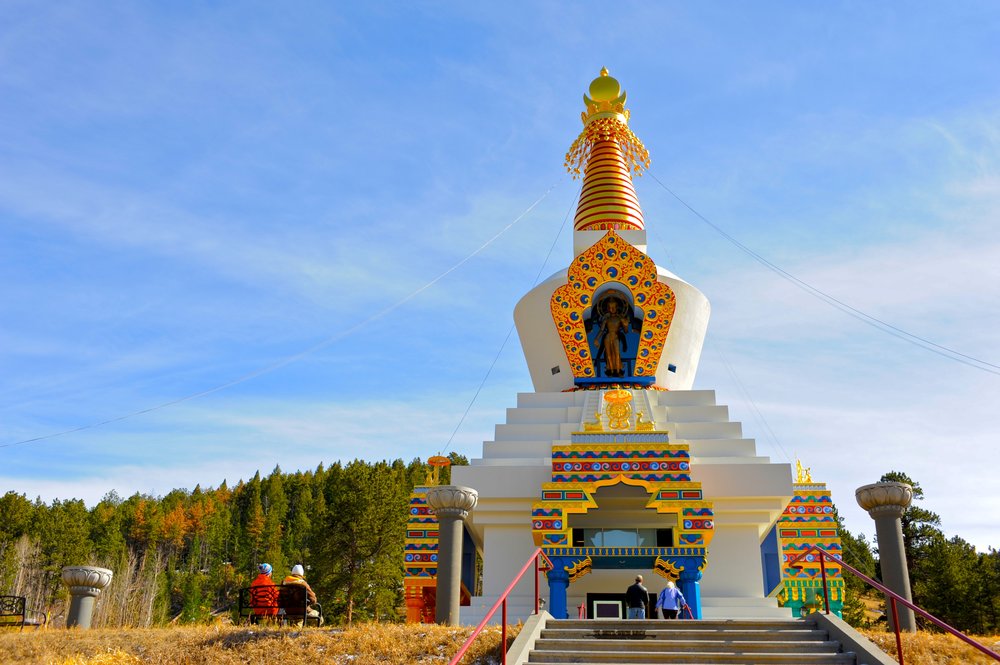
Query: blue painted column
[691,588]
[558,583]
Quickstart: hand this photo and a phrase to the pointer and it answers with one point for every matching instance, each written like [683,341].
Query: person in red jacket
[264,593]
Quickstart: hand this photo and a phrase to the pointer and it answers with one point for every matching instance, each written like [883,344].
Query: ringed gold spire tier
[607,153]
[613,316]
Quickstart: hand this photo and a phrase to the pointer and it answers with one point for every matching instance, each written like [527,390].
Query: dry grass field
[363,644]
[934,648]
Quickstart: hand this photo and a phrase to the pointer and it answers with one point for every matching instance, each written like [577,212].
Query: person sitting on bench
[297,576]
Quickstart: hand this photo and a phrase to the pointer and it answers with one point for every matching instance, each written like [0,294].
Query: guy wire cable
[511,329]
[301,354]
[745,393]
[854,312]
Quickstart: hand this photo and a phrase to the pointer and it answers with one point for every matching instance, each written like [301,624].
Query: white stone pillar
[85,584]
[886,503]
[451,504]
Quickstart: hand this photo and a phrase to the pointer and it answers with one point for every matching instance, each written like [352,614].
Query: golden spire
[607,153]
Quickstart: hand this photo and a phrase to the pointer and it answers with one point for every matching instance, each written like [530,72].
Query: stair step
[781,634]
[685,624]
[687,646]
[714,658]
[692,642]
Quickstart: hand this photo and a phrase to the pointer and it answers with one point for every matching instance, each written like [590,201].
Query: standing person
[298,576]
[670,600]
[636,598]
[264,593]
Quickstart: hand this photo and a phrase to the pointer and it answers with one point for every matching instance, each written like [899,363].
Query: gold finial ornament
[606,120]
[436,462]
[594,425]
[619,408]
[802,474]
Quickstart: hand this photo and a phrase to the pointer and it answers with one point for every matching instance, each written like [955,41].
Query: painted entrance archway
[641,459]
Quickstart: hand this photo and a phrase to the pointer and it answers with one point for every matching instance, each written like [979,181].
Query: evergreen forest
[182,557]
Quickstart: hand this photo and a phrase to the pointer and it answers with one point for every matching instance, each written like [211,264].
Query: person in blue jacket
[670,601]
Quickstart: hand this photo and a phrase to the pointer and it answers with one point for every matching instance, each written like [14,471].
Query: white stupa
[614,465]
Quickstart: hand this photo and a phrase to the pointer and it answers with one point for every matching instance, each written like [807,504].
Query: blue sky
[192,192]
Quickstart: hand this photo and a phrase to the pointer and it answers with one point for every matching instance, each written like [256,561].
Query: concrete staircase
[747,642]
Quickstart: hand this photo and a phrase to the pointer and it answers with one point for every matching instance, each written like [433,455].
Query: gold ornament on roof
[619,408]
[436,462]
[606,119]
[802,474]
[594,425]
[641,424]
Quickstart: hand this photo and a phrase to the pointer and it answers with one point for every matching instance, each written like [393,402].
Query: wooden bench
[14,613]
[292,606]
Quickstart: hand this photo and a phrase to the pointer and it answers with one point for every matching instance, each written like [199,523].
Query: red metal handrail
[502,602]
[893,598]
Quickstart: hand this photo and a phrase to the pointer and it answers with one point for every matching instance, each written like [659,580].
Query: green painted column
[451,504]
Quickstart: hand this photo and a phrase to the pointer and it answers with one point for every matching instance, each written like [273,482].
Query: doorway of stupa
[621,535]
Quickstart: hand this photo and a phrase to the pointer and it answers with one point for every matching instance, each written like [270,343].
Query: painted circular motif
[687,524]
[612,272]
[626,466]
[655,466]
[683,466]
[538,524]
[709,524]
[434,557]
[557,525]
